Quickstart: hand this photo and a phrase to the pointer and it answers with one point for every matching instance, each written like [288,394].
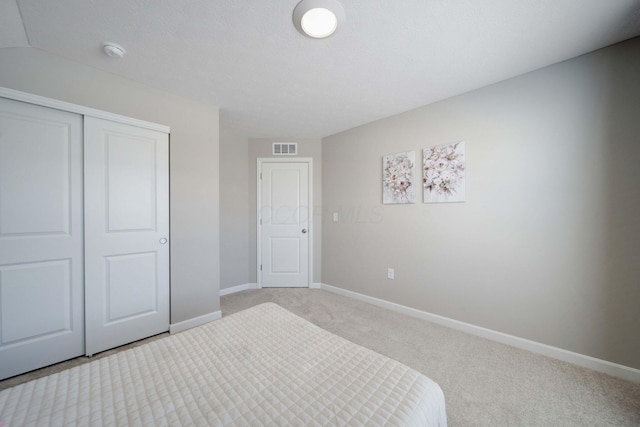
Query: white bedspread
[262,366]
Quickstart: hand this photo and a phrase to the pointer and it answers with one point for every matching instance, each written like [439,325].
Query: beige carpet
[484,383]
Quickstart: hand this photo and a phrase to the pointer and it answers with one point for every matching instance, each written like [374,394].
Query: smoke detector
[113,50]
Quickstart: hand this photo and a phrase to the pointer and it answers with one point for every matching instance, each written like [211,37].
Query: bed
[261,366]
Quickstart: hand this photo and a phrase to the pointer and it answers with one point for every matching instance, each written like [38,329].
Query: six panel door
[41,237]
[126,233]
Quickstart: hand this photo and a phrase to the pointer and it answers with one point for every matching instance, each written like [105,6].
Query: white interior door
[41,253]
[284,224]
[127,231]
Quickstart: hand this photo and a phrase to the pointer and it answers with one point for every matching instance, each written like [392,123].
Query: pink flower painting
[444,170]
[398,178]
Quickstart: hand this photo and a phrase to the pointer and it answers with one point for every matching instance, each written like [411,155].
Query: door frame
[30,98]
[260,162]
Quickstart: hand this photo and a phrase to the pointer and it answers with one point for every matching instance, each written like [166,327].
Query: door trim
[30,98]
[260,162]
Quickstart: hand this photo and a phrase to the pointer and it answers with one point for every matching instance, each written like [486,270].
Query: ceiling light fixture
[113,50]
[318,18]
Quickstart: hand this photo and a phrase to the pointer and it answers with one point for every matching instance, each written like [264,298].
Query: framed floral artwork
[399,178]
[443,173]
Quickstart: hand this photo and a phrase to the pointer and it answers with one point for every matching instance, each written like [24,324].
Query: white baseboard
[239,288]
[614,369]
[315,286]
[196,321]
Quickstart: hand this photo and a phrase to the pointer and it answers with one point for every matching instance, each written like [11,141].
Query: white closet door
[41,270]
[126,233]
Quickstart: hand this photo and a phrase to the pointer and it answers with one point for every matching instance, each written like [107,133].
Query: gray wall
[195,257]
[234,208]
[306,148]
[547,245]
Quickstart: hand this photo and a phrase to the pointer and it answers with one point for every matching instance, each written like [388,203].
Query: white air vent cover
[285,148]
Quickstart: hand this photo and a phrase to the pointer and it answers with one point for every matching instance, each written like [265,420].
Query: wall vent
[285,148]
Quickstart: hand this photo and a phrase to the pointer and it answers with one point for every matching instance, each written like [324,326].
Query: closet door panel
[41,237]
[127,231]
[131,183]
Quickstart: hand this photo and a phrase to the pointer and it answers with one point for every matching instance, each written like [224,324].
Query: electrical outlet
[391,273]
[335,217]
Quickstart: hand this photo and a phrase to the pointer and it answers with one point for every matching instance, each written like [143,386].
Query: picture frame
[444,173]
[399,178]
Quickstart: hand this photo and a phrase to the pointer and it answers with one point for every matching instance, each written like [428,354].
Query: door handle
[163,240]
[304,231]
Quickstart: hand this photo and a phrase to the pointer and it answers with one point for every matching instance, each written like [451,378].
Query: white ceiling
[246,57]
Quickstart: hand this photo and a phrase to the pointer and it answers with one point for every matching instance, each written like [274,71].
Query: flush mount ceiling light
[318,18]
[113,50]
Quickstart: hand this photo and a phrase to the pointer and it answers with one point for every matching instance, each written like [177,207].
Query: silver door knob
[304,231]
[163,240]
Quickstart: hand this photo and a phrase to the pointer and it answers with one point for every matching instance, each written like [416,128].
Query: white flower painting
[399,178]
[444,173]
